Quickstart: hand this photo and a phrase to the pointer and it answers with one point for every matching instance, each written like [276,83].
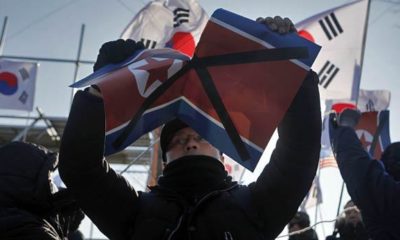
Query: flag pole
[340,199]
[322,217]
[356,93]
[316,214]
[78,57]
[3,34]
[155,164]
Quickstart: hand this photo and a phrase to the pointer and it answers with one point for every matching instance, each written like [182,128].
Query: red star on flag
[157,69]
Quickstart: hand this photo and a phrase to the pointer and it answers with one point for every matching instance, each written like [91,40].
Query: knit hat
[168,132]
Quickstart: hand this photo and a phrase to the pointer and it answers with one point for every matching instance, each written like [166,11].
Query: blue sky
[51,28]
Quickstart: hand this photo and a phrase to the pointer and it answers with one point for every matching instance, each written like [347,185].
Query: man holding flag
[194,198]
[373,185]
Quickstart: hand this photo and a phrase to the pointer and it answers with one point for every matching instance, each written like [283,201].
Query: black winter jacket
[230,211]
[26,209]
[371,188]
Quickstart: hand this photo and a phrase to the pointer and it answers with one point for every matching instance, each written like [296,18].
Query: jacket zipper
[227,234]
[198,203]
[176,228]
[212,193]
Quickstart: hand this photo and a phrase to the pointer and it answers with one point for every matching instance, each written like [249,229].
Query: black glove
[347,118]
[116,51]
[278,24]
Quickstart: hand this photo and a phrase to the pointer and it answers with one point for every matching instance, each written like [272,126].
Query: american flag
[327,162]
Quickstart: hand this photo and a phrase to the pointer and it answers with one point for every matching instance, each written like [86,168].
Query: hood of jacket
[25,176]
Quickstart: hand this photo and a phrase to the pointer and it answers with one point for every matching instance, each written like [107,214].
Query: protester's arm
[104,196]
[287,178]
[375,192]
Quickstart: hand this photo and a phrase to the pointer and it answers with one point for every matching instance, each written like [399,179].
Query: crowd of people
[194,197]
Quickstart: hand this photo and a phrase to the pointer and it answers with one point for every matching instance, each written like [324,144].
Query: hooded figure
[26,190]
[30,206]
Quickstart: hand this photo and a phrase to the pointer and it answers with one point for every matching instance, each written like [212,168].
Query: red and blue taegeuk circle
[8,83]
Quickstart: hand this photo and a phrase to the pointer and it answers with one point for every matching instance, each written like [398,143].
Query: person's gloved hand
[116,51]
[278,24]
[347,118]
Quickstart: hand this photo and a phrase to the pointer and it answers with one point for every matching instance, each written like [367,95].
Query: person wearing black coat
[30,205]
[301,221]
[373,185]
[26,210]
[350,226]
[194,197]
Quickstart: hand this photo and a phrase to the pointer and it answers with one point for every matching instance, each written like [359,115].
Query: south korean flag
[17,84]
[341,32]
[176,24]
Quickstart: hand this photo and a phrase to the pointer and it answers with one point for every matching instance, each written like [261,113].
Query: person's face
[187,142]
[294,227]
[353,215]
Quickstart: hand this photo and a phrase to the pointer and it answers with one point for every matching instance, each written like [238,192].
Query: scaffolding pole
[78,57]
[3,34]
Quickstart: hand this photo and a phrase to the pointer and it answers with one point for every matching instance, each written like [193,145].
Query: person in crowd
[194,197]
[373,185]
[30,206]
[299,222]
[350,226]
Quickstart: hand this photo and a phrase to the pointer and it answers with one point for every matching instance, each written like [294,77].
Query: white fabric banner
[373,100]
[168,23]
[340,32]
[17,84]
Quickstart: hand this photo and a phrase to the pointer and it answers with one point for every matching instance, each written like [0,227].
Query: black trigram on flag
[327,73]
[331,26]
[181,15]
[149,44]
[24,73]
[23,97]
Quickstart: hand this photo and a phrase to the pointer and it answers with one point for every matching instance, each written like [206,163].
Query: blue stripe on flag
[217,136]
[384,134]
[263,33]
[213,133]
